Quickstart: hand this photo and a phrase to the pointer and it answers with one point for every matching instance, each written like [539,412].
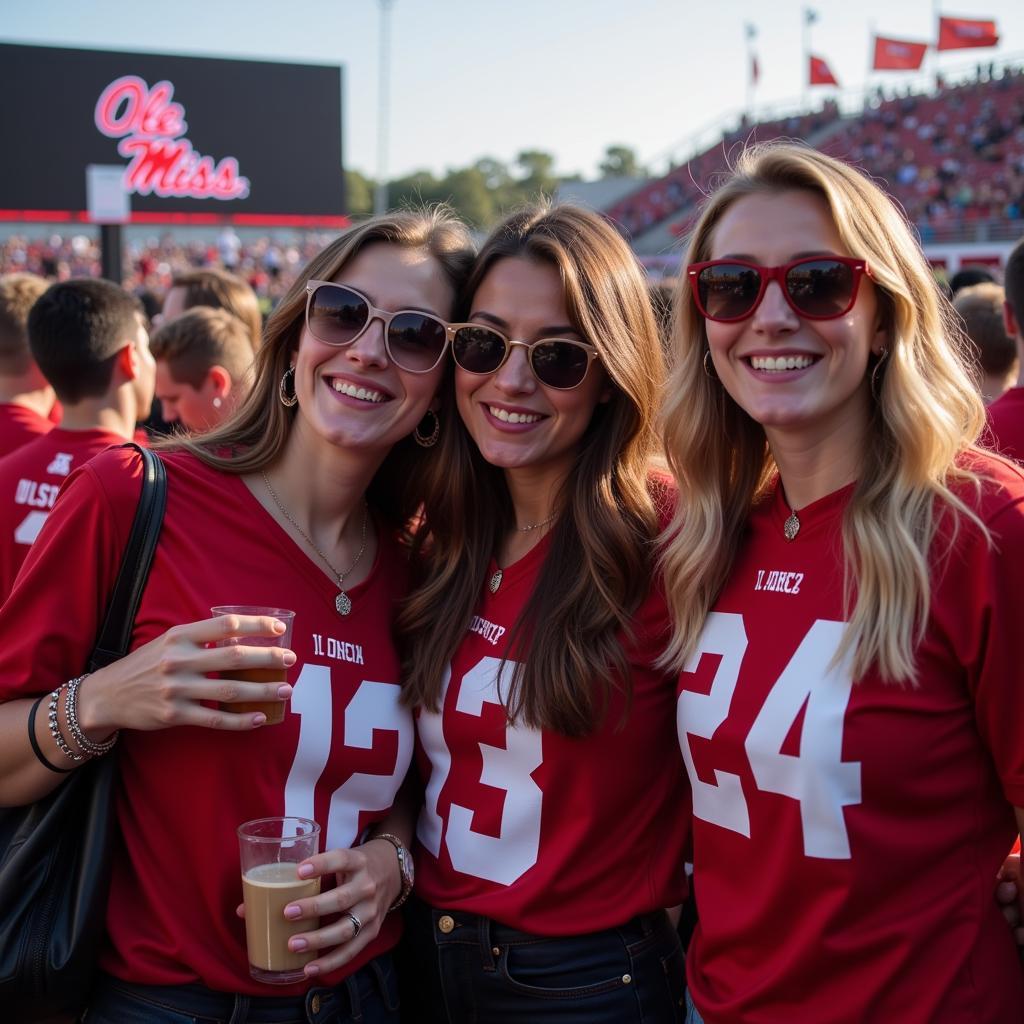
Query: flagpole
[936,15]
[806,72]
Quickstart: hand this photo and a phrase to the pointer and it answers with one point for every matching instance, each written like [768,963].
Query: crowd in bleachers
[268,265]
[951,159]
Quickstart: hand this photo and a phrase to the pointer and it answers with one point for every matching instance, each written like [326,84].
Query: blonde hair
[18,294]
[221,289]
[926,415]
[256,434]
[598,568]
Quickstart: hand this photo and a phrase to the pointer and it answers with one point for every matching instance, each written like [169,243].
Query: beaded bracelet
[85,744]
[58,736]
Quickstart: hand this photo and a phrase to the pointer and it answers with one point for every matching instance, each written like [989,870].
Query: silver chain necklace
[498,575]
[343,603]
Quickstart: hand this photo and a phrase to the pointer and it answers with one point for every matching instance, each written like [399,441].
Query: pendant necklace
[342,603]
[496,577]
[791,527]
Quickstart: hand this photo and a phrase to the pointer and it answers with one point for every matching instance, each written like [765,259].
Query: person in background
[217,288]
[203,359]
[28,406]
[967,277]
[843,571]
[89,341]
[1006,415]
[981,307]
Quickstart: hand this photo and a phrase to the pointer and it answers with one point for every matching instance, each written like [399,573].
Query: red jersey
[847,833]
[1006,423]
[19,425]
[544,833]
[338,757]
[29,481]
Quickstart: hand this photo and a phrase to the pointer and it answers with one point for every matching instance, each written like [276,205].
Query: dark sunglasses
[816,287]
[337,315]
[559,363]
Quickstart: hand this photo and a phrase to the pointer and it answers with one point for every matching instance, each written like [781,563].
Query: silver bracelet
[58,736]
[85,744]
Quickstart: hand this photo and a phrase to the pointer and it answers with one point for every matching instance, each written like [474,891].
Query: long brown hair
[598,569]
[926,415]
[256,434]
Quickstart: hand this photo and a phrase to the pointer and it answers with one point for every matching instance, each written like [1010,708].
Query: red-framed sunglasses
[816,287]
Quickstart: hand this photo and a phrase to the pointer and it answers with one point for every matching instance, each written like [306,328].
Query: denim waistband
[465,927]
[315,1005]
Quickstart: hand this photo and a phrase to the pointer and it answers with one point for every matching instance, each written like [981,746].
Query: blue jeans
[370,996]
[473,970]
[692,1014]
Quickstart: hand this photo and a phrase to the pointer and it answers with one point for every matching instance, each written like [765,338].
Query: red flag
[755,69]
[961,33]
[898,54]
[820,73]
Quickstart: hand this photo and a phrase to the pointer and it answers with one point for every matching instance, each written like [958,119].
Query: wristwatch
[405,867]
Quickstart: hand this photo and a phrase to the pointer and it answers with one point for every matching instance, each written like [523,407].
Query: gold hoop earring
[288,398]
[709,369]
[874,385]
[428,440]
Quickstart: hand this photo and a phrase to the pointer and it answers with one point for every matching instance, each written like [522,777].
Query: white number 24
[817,778]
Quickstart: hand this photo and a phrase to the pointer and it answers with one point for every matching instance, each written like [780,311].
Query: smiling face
[515,420]
[802,379]
[354,396]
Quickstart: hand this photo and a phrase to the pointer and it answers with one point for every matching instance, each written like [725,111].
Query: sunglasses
[816,287]
[558,363]
[337,315]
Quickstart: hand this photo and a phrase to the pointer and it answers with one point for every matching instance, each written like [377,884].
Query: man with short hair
[203,360]
[1006,415]
[27,406]
[89,341]
[982,309]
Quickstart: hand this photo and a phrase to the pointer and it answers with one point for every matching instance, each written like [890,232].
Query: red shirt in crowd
[338,757]
[847,833]
[544,833]
[19,425]
[29,481]
[1006,423]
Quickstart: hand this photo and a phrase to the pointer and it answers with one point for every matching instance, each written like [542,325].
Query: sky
[475,78]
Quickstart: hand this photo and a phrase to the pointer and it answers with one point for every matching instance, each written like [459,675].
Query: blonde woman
[550,841]
[843,569]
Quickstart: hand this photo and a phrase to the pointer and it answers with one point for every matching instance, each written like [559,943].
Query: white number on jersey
[509,855]
[374,707]
[817,778]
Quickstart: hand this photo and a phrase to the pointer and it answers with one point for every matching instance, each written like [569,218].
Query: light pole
[380,196]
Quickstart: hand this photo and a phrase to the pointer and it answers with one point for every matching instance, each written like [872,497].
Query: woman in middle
[550,840]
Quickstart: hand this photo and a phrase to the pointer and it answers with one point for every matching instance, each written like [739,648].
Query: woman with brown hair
[292,503]
[551,840]
[843,572]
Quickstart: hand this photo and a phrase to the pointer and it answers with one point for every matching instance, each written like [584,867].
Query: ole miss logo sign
[151,128]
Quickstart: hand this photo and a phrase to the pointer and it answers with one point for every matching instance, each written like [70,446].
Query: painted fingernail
[284,692]
[311,969]
[298,945]
[305,870]
[259,719]
[293,910]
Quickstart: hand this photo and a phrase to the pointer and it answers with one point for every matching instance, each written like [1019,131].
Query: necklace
[343,603]
[496,577]
[791,527]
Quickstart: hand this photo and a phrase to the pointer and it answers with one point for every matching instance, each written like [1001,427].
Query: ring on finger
[357,925]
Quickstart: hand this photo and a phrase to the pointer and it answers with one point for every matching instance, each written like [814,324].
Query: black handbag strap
[115,635]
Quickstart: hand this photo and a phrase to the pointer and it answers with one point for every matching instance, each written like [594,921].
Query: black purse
[55,853]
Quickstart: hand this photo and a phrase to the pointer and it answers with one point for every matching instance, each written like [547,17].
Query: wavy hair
[926,415]
[256,434]
[567,639]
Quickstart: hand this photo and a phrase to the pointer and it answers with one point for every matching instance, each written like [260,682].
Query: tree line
[483,192]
